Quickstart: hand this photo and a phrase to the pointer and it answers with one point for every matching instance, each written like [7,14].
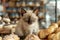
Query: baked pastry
[7,20]
[18,4]
[52,28]
[1,26]
[57,30]
[43,33]
[37,4]
[58,23]
[0,38]
[56,37]
[23,4]
[11,37]
[11,27]
[50,37]
[55,25]
[32,37]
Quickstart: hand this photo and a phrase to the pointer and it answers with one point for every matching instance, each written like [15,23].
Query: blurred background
[12,10]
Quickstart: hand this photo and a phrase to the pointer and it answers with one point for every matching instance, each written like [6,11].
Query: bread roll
[54,25]
[32,37]
[37,4]
[8,26]
[56,37]
[7,20]
[0,38]
[23,4]
[52,28]
[11,37]
[57,30]
[43,33]
[51,36]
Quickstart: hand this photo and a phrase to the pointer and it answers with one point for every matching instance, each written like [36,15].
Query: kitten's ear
[22,9]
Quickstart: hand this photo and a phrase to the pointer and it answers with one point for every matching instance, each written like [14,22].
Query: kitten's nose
[29,20]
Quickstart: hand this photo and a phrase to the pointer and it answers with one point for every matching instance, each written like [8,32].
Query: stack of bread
[51,33]
[45,32]
[56,34]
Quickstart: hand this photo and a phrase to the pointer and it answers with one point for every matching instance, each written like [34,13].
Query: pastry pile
[51,33]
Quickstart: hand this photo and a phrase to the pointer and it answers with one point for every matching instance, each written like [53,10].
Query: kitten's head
[30,18]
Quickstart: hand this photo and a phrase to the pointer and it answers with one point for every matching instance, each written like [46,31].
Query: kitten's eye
[26,19]
[33,19]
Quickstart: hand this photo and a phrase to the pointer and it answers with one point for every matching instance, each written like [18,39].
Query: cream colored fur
[23,28]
